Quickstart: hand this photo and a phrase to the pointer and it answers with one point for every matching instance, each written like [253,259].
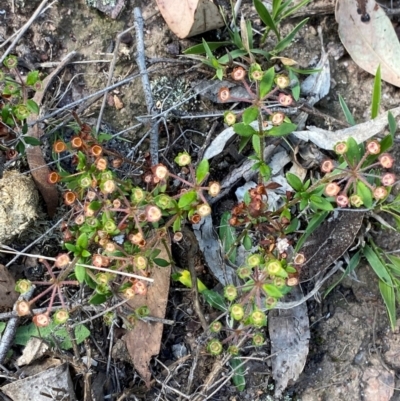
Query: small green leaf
[161,262]
[289,38]
[346,111]
[272,290]
[177,226]
[32,106]
[293,226]
[256,145]
[227,236]
[353,153]
[247,243]
[265,171]
[320,203]
[294,182]
[293,9]
[386,143]
[85,253]
[266,17]
[231,55]
[267,82]
[365,194]
[185,278]
[95,205]
[295,87]
[199,49]
[388,295]
[250,114]
[202,171]
[219,73]
[97,299]
[70,247]
[30,140]
[376,264]
[244,140]
[392,124]
[376,94]
[238,377]
[281,130]
[187,198]
[80,273]
[32,77]
[215,299]
[82,241]
[245,130]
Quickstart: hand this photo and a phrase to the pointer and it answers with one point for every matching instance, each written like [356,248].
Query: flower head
[327,166]
[332,189]
[183,159]
[238,74]
[386,160]
[285,100]
[224,94]
[374,147]
[380,193]
[277,118]
[153,213]
[342,200]
[340,148]
[282,81]
[388,179]
[41,320]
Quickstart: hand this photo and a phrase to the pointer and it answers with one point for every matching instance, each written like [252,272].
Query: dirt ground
[353,353]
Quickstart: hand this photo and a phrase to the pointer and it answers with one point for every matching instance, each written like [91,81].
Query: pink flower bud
[380,193]
[342,200]
[386,160]
[388,179]
[332,189]
[327,166]
[374,147]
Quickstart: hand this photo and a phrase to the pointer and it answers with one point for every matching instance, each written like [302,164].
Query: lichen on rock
[18,204]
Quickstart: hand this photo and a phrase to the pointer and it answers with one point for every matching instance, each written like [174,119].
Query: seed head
[380,193]
[215,327]
[277,118]
[59,146]
[214,188]
[203,209]
[282,81]
[388,179]
[270,302]
[258,339]
[237,312]
[23,286]
[292,281]
[244,272]
[76,142]
[140,262]
[374,147]
[285,100]
[53,178]
[108,187]
[140,288]
[342,200]
[178,236]
[254,260]
[41,320]
[128,293]
[23,308]
[137,195]
[238,74]
[230,292]
[101,164]
[136,238]
[299,259]
[340,148]
[386,160]
[62,260]
[183,159]
[229,118]
[274,266]
[195,218]
[224,94]
[214,347]
[160,171]
[60,316]
[96,150]
[327,166]
[153,213]
[332,189]
[258,319]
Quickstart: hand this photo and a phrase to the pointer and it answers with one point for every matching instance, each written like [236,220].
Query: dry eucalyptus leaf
[289,332]
[368,35]
[7,294]
[187,18]
[361,132]
[144,340]
[52,384]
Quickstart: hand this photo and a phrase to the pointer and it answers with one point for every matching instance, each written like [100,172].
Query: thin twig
[24,29]
[110,76]
[9,333]
[140,60]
